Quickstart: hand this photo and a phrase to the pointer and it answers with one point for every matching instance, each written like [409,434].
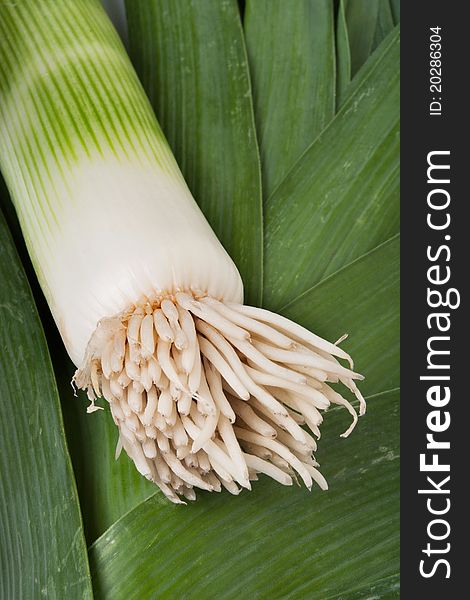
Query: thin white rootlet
[209,394]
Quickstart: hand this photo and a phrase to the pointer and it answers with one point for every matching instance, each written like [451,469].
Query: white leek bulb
[205,392]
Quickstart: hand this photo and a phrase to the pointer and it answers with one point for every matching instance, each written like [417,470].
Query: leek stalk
[205,392]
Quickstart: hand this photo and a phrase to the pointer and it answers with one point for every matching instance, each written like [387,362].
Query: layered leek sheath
[205,392]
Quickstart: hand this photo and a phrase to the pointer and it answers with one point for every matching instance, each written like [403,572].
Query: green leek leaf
[343,55]
[191,59]
[395,7]
[361,18]
[361,299]
[292,62]
[388,587]
[42,546]
[341,197]
[385,23]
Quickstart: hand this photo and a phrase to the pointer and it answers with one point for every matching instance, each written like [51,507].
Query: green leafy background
[284,117]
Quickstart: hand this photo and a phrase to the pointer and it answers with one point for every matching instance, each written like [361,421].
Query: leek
[205,392]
